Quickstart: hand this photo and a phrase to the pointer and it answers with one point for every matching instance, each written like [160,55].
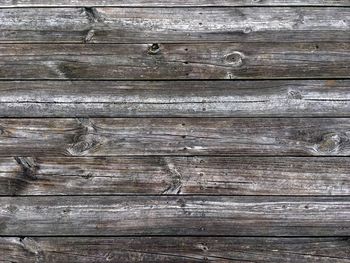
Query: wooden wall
[174,131]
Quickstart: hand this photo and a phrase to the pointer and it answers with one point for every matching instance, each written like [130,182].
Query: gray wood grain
[175,61]
[172,3]
[174,175]
[298,98]
[174,249]
[172,215]
[132,25]
[175,136]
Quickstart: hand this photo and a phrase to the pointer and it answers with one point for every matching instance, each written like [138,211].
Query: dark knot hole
[154,49]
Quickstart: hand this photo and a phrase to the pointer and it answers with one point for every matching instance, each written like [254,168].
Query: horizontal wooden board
[175,61]
[172,3]
[175,136]
[174,175]
[174,249]
[298,98]
[132,25]
[172,215]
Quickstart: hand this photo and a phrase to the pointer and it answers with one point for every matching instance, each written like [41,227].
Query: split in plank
[172,3]
[174,215]
[174,249]
[174,175]
[175,61]
[175,136]
[291,98]
[129,25]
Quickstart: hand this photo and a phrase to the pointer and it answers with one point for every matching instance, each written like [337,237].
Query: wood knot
[89,36]
[181,202]
[83,144]
[235,59]
[294,94]
[247,30]
[330,143]
[203,247]
[11,208]
[154,49]
[29,167]
[4,132]
[85,140]
[32,246]
[92,14]
[229,75]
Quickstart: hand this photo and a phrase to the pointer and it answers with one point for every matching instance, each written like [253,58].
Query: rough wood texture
[296,98]
[132,25]
[174,175]
[227,136]
[175,61]
[175,249]
[171,215]
[172,3]
[175,136]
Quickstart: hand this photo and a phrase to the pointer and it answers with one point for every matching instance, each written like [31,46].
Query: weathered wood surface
[174,249]
[246,182]
[173,215]
[305,98]
[132,25]
[175,136]
[175,61]
[172,3]
[174,175]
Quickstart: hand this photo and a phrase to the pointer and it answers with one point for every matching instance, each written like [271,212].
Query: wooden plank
[130,25]
[175,61]
[172,215]
[175,136]
[174,175]
[172,3]
[174,249]
[298,98]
